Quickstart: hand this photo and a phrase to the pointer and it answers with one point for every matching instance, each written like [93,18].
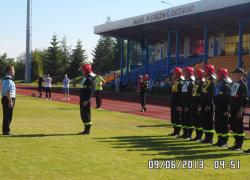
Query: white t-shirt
[66,82]
[48,81]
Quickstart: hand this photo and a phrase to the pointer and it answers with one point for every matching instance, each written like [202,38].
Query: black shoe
[84,132]
[223,145]
[217,144]
[7,134]
[235,148]
[205,141]
[181,136]
[195,139]
[172,134]
[188,138]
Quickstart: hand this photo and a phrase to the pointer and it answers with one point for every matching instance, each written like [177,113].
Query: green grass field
[45,145]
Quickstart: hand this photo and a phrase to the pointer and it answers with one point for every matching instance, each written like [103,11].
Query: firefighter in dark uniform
[187,89]
[207,106]
[238,102]
[196,106]
[177,80]
[221,102]
[8,99]
[85,97]
[143,92]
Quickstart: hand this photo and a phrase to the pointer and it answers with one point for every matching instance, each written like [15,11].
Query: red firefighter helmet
[209,69]
[178,72]
[222,73]
[145,77]
[199,73]
[87,70]
[189,71]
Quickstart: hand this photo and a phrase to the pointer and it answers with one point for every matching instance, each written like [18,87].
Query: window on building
[231,44]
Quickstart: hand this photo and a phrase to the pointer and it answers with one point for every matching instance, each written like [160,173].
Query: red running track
[154,111]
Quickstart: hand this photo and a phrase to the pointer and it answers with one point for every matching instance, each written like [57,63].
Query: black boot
[184,134]
[238,144]
[204,141]
[173,133]
[177,132]
[198,136]
[224,142]
[189,134]
[208,139]
[86,130]
[219,141]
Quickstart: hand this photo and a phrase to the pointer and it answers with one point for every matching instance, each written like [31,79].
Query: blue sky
[74,19]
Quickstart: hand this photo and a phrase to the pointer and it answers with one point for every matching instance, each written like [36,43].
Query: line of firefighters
[207,102]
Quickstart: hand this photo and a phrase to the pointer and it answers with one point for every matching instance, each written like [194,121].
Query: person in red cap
[143,92]
[221,102]
[85,97]
[238,102]
[177,80]
[196,106]
[207,106]
[187,89]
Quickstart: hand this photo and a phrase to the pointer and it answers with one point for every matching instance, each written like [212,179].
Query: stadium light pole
[168,3]
[28,44]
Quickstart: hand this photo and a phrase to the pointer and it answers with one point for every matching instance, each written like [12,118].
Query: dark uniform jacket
[222,96]
[86,89]
[196,94]
[176,93]
[207,92]
[239,94]
[144,86]
[187,91]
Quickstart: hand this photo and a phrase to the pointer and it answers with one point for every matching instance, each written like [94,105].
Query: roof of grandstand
[218,15]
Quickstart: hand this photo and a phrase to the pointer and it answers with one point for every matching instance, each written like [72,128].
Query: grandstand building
[206,31]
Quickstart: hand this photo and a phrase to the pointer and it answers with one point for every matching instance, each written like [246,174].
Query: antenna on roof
[168,3]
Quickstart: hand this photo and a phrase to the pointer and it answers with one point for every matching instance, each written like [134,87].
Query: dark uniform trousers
[237,125]
[98,96]
[208,121]
[7,114]
[197,120]
[175,118]
[143,98]
[221,125]
[85,113]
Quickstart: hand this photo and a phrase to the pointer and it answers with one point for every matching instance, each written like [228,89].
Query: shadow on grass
[167,146]
[38,135]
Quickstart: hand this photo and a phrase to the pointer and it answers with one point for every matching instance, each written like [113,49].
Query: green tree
[37,64]
[53,60]
[104,58]
[4,61]
[66,54]
[20,67]
[77,58]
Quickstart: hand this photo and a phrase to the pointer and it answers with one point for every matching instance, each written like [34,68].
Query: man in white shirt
[8,99]
[66,82]
[48,81]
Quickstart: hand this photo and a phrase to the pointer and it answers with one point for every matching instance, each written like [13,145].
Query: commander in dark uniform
[8,99]
[85,94]
[238,102]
